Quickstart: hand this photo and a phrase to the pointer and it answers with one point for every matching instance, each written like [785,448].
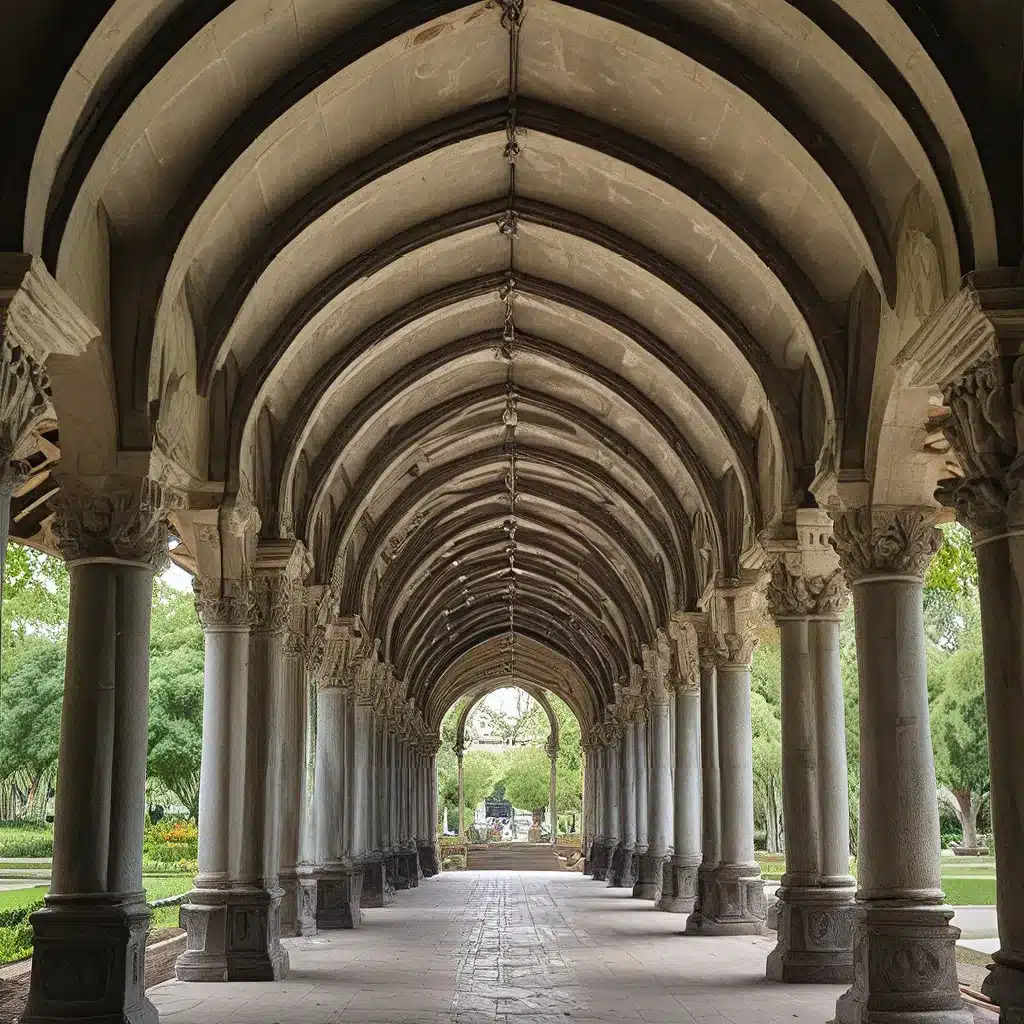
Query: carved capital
[270,608]
[985,428]
[126,524]
[344,648]
[875,542]
[737,613]
[793,594]
[221,603]
[24,399]
[689,634]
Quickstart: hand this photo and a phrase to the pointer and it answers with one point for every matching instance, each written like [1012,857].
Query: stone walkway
[519,948]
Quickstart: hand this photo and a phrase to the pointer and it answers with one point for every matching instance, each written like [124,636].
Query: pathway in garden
[520,948]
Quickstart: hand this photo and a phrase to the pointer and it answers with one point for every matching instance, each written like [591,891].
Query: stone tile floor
[515,948]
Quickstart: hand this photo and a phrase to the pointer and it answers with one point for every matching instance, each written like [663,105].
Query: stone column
[680,871]
[294,718]
[552,752]
[431,746]
[89,953]
[985,403]
[332,883]
[460,754]
[623,869]
[594,793]
[904,956]
[651,872]
[806,597]
[732,898]
[649,887]
[611,816]
[377,889]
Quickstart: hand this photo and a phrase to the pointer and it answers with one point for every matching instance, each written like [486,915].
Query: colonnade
[890,937]
[284,850]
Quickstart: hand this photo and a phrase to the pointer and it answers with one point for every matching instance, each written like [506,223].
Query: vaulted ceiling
[514,309]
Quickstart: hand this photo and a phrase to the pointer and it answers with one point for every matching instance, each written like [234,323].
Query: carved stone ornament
[796,595]
[885,542]
[123,524]
[985,428]
[24,399]
[737,613]
[344,647]
[222,602]
[686,639]
[272,596]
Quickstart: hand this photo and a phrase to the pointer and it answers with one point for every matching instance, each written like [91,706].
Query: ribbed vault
[369,262]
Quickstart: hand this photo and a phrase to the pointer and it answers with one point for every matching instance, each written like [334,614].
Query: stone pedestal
[622,871]
[400,871]
[600,857]
[377,888]
[678,888]
[89,961]
[649,876]
[904,968]
[428,859]
[338,897]
[291,904]
[732,902]
[815,928]
[232,935]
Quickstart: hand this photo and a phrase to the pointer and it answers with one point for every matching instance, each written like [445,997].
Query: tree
[525,722]
[527,777]
[766,728]
[176,695]
[480,772]
[30,728]
[960,736]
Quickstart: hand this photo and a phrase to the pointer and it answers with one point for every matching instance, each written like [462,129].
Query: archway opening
[509,777]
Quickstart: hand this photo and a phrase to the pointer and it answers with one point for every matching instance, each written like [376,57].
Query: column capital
[222,602]
[24,400]
[737,609]
[806,581]
[113,519]
[689,635]
[884,542]
[344,644]
[277,573]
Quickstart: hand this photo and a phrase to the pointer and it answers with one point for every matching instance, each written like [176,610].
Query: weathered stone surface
[815,929]
[377,888]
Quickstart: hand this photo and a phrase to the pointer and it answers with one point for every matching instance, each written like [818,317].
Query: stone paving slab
[510,948]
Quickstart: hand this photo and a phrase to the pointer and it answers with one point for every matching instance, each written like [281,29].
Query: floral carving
[222,603]
[270,608]
[120,525]
[24,398]
[796,595]
[985,428]
[885,542]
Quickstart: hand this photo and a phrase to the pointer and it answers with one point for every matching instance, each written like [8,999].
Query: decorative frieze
[127,524]
[887,542]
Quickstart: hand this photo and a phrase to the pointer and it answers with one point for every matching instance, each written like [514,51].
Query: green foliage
[959,727]
[527,776]
[15,943]
[170,842]
[766,727]
[176,695]
[25,843]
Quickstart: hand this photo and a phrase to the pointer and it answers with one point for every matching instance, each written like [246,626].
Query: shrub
[13,916]
[170,842]
[28,841]
[15,943]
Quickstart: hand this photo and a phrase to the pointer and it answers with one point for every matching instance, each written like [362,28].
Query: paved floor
[518,948]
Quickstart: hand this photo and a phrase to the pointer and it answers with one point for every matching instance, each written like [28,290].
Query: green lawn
[22,897]
[965,881]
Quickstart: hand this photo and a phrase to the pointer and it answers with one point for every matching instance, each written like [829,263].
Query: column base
[622,870]
[428,859]
[400,871]
[649,877]
[1005,985]
[678,888]
[815,927]
[338,897]
[291,904]
[600,858]
[904,967]
[412,867]
[232,935]
[377,889]
[89,961]
[732,902]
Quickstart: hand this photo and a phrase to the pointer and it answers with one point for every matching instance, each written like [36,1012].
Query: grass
[22,897]
[965,882]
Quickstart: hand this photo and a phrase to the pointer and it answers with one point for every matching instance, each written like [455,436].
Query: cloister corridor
[478,947]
